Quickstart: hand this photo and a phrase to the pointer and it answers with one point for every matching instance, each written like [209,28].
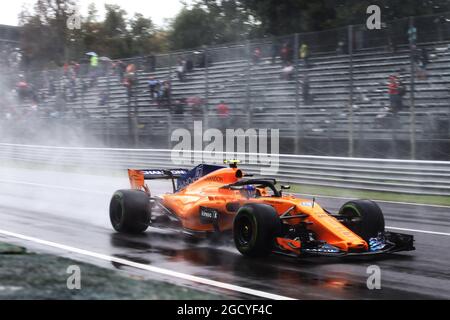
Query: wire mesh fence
[349,84]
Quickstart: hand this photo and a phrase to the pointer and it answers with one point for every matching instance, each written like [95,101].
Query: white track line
[170,273]
[420,231]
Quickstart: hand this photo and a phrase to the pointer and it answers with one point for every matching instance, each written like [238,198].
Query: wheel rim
[244,231]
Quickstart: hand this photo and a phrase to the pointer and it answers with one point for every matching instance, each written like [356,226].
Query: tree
[191,28]
[291,16]
[210,22]
[44,35]
[92,13]
[143,33]
[115,24]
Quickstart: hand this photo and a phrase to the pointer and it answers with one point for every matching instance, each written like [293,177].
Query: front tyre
[129,211]
[255,228]
[364,217]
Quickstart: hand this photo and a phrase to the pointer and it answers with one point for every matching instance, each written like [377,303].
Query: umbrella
[91,54]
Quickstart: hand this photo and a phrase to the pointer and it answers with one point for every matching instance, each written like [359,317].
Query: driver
[250,191]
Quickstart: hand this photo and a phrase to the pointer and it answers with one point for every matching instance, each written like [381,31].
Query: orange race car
[211,200]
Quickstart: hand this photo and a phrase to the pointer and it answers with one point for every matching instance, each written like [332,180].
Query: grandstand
[260,99]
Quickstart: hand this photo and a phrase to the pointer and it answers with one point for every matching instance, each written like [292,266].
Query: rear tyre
[129,211]
[365,218]
[255,228]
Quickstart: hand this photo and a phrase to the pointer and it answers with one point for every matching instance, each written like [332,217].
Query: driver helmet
[250,190]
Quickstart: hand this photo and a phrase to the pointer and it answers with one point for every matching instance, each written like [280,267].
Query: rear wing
[138,177]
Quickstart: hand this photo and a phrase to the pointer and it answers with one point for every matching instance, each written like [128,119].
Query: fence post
[247,84]
[350,106]
[169,119]
[108,107]
[206,110]
[134,92]
[297,92]
[412,132]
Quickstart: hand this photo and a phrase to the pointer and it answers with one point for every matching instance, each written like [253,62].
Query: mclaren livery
[262,218]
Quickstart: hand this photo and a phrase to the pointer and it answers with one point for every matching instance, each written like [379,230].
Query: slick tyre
[129,211]
[364,217]
[255,228]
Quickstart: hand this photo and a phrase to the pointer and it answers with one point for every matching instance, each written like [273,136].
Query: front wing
[387,242]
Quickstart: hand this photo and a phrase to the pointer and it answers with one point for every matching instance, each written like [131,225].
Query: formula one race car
[211,200]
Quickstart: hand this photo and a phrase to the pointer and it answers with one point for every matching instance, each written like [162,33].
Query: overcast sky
[158,10]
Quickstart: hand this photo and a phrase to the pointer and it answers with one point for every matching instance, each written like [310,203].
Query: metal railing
[400,176]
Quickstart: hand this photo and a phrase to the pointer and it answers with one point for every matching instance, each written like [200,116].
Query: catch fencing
[400,176]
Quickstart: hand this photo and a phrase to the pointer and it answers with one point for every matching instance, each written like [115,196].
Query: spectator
[287,72]
[179,106]
[75,68]
[166,93]
[412,35]
[154,86]
[286,53]
[181,69]
[189,65]
[94,61]
[130,71]
[93,69]
[22,88]
[201,59]
[396,92]
[66,69]
[341,48]
[223,110]
[256,57]
[304,53]
[130,79]
[196,104]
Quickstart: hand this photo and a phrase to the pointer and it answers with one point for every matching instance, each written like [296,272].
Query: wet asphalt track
[75,213]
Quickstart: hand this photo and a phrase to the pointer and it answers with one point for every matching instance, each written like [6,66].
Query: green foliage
[46,40]
[221,21]
[190,29]
[45,37]
[211,22]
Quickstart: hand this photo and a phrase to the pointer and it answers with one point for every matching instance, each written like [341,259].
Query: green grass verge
[374,195]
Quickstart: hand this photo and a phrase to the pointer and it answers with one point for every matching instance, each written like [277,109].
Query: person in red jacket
[396,91]
[223,111]
[256,55]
